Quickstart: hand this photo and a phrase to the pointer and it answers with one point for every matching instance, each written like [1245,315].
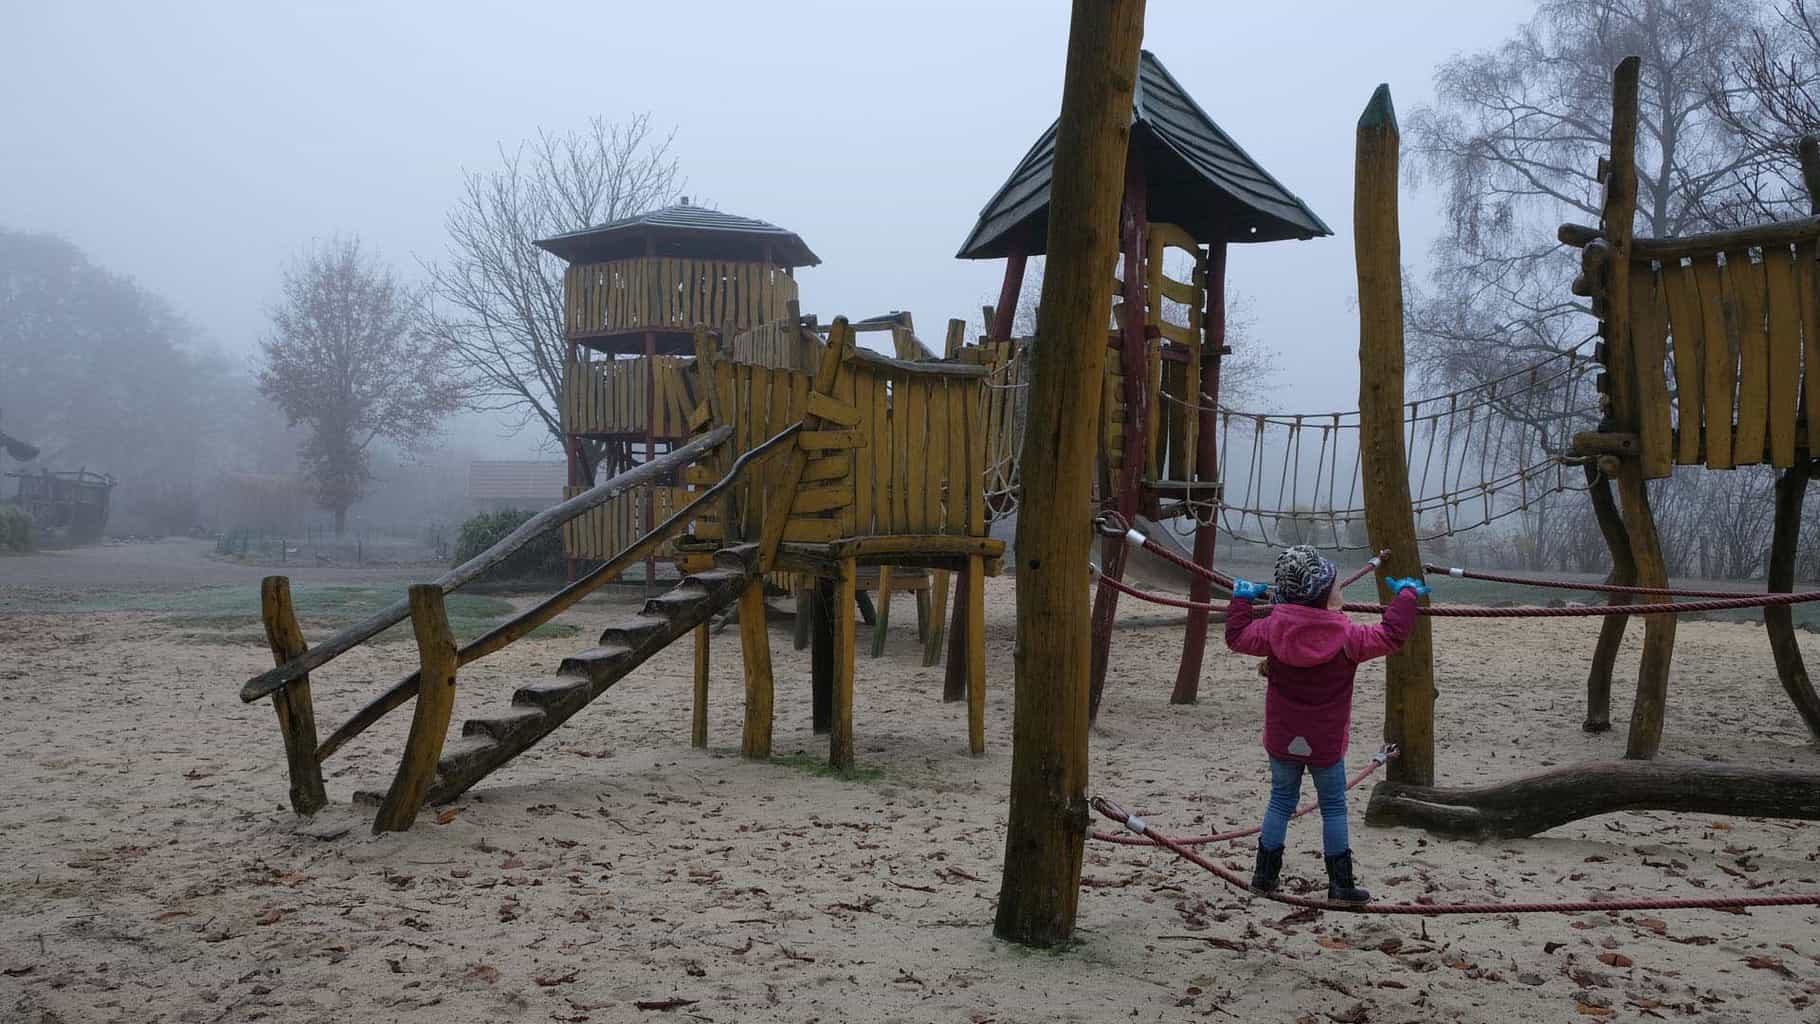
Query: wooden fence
[614,396]
[607,529]
[665,293]
[1733,319]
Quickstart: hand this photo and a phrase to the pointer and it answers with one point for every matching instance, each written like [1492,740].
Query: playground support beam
[1409,687]
[1047,819]
[1206,467]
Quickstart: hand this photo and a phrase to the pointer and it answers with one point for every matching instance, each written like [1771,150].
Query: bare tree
[1778,69]
[345,361]
[496,300]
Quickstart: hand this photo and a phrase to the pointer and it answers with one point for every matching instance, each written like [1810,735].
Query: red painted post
[1206,468]
[1004,315]
[1134,349]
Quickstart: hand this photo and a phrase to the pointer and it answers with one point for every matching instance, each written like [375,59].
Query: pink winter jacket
[1313,654]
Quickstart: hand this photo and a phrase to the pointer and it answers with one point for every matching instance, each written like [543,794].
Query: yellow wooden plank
[1746,279]
[830,440]
[975,477]
[912,436]
[1784,353]
[833,410]
[1721,364]
[934,452]
[707,529]
[1178,334]
[1686,326]
[1655,435]
[961,395]
[884,507]
[811,531]
[837,495]
[831,467]
[1807,284]
[700,476]
[864,387]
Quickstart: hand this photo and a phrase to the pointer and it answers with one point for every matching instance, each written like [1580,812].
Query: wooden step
[538,708]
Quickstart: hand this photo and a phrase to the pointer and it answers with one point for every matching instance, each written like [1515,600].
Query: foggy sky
[197,146]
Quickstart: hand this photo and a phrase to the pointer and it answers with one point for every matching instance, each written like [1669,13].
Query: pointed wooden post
[296,711]
[698,717]
[755,647]
[1047,821]
[430,719]
[1409,687]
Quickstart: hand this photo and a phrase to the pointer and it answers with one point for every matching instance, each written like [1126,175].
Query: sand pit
[151,872]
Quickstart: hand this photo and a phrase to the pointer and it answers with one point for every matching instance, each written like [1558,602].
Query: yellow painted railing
[621,396]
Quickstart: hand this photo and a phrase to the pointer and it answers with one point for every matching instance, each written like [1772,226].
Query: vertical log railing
[430,720]
[1409,689]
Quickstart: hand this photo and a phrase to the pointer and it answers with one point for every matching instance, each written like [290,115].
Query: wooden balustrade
[615,396]
[657,293]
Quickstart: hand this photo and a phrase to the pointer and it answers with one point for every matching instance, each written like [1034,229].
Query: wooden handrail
[266,683]
[555,604]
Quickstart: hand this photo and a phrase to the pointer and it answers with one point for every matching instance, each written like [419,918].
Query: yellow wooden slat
[935,456]
[961,394]
[975,482]
[812,531]
[864,386]
[832,410]
[837,495]
[830,467]
[830,440]
[1655,435]
[1178,291]
[1807,284]
[1721,366]
[1753,360]
[1784,353]
[1686,326]
[913,432]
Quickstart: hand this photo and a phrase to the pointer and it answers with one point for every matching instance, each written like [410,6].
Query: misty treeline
[355,376]
[1511,145]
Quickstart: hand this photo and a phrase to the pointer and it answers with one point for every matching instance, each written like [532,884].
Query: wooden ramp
[538,708]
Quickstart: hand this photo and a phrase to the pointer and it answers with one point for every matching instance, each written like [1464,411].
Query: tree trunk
[1611,628]
[1779,622]
[1048,810]
[1536,803]
[341,520]
[1409,688]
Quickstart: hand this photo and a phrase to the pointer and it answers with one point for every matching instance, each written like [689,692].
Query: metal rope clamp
[1386,754]
[1111,523]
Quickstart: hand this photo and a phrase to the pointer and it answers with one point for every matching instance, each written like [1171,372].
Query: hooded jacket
[1313,654]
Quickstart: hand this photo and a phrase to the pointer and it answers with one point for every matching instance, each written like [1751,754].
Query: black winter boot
[1340,886]
[1270,865]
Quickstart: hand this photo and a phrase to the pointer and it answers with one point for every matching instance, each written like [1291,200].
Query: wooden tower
[1188,187]
[634,292]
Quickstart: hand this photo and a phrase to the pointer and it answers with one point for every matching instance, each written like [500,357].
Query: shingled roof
[1198,178]
[683,230]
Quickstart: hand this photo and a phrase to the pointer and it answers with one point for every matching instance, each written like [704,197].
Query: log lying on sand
[1536,803]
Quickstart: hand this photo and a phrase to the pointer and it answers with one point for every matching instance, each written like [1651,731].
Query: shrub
[541,559]
[15,529]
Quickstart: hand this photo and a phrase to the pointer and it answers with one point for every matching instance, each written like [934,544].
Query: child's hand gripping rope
[1248,590]
[1398,584]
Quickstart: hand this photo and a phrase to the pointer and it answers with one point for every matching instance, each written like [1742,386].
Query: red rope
[1470,612]
[1114,812]
[1226,837]
[1598,588]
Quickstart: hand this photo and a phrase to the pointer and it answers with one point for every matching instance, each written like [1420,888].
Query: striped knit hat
[1303,576]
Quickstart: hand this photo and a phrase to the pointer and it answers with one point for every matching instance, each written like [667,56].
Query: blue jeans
[1286,792]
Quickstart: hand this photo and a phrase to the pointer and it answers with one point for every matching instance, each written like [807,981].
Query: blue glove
[1398,584]
[1248,590]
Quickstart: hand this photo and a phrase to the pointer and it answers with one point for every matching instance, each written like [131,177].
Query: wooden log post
[938,608]
[1206,468]
[1611,627]
[939,580]
[1633,499]
[822,612]
[1791,491]
[1134,359]
[1409,686]
[698,717]
[840,736]
[755,649]
[1047,821]
[295,708]
[436,658]
[975,582]
[954,678]
[1536,803]
[882,621]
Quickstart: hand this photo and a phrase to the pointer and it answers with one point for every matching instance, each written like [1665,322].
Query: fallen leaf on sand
[449,815]
[553,980]
[1594,1011]
[1356,1014]
[1333,942]
[1768,963]
[664,1004]
[1615,959]
[1654,924]
[485,973]
[272,916]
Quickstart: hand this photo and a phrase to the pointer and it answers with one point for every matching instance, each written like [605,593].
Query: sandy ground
[150,870]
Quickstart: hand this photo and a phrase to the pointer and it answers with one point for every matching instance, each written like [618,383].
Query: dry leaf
[1615,959]
[449,815]
[486,973]
[272,916]
[1594,1011]
[664,1004]
[1333,942]
[553,980]
[1768,963]
[1356,1014]
[1654,924]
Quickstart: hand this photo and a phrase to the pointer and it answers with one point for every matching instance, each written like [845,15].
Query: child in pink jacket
[1313,650]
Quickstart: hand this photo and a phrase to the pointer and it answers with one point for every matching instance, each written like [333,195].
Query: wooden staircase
[537,709]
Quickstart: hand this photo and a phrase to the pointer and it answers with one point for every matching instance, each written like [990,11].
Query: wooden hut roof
[1198,177]
[683,230]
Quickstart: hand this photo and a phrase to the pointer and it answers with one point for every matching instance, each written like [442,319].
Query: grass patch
[321,610]
[818,766]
